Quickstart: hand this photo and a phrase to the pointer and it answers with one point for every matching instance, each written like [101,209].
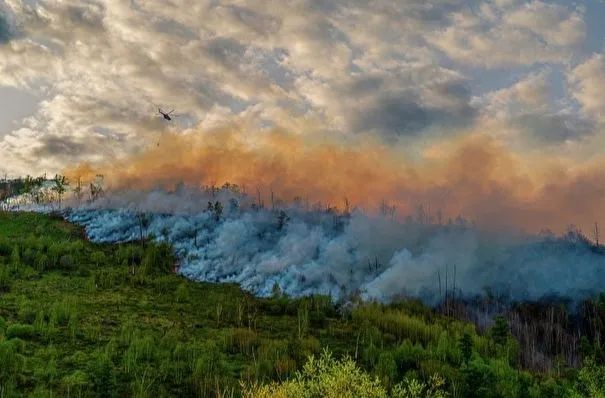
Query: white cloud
[507,34]
[587,82]
[528,114]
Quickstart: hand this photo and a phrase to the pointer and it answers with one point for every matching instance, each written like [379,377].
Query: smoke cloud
[380,243]
[470,175]
[308,252]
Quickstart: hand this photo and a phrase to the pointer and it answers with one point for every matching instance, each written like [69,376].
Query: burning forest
[223,235]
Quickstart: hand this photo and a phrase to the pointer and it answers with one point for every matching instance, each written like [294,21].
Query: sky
[425,96]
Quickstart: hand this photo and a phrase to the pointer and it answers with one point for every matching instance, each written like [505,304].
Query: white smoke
[320,252]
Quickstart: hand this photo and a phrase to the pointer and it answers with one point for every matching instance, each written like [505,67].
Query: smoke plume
[318,251]
[397,230]
[471,175]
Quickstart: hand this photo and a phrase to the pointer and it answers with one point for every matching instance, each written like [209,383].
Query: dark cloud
[393,115]
[227,52]
[454,90]
[261,24]
[553,128]
[6,33]
[53,146]
[366,84]
[407,115]
[90,17]
[172,27]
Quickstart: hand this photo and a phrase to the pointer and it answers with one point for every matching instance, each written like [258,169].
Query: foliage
[591,380]
[323,377]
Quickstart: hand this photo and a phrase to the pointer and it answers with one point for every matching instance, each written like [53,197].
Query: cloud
[5,30]
[552,129]
[587,82]
[278,64]
[498,34]
[395,71]
[405,114]
[53,146]
[527,108]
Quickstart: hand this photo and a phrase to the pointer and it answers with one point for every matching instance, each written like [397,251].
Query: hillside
[85,319]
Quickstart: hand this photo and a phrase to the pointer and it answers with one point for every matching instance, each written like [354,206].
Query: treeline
[58,186]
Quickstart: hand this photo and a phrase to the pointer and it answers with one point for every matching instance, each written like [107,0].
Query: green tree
[480,380]
[591,380]
[324,377]
[412,388]
[499,332]
[466,346]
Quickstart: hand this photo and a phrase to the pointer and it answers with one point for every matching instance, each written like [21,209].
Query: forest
[85,320]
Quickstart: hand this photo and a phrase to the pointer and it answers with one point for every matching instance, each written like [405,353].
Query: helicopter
[166,115]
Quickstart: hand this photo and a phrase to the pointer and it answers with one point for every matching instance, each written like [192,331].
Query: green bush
[98,258]
[102,376]
[323,377]
[62,311]
[165,284]
[21,331]
[182,293]
[158,259]
[27,312]
[5,278]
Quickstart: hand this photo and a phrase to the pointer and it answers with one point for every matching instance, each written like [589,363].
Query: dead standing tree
[61,184]
[78,191]
[144,222]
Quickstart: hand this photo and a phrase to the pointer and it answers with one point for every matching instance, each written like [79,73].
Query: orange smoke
[470,176]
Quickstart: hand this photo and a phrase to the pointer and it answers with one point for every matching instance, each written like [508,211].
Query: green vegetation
[80,319]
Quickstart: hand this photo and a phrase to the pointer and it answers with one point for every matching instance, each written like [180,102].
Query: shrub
[5,278]
[158,259]
[412,388]
[182,293]
[98,258]
[164,284]
[75,382]
[102,376]
[63,311]
[12,363]
[323,377]
[108,278]
[27,311]
[242,340]
[591,380]
[66,262]
[42,262]
[21,331]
